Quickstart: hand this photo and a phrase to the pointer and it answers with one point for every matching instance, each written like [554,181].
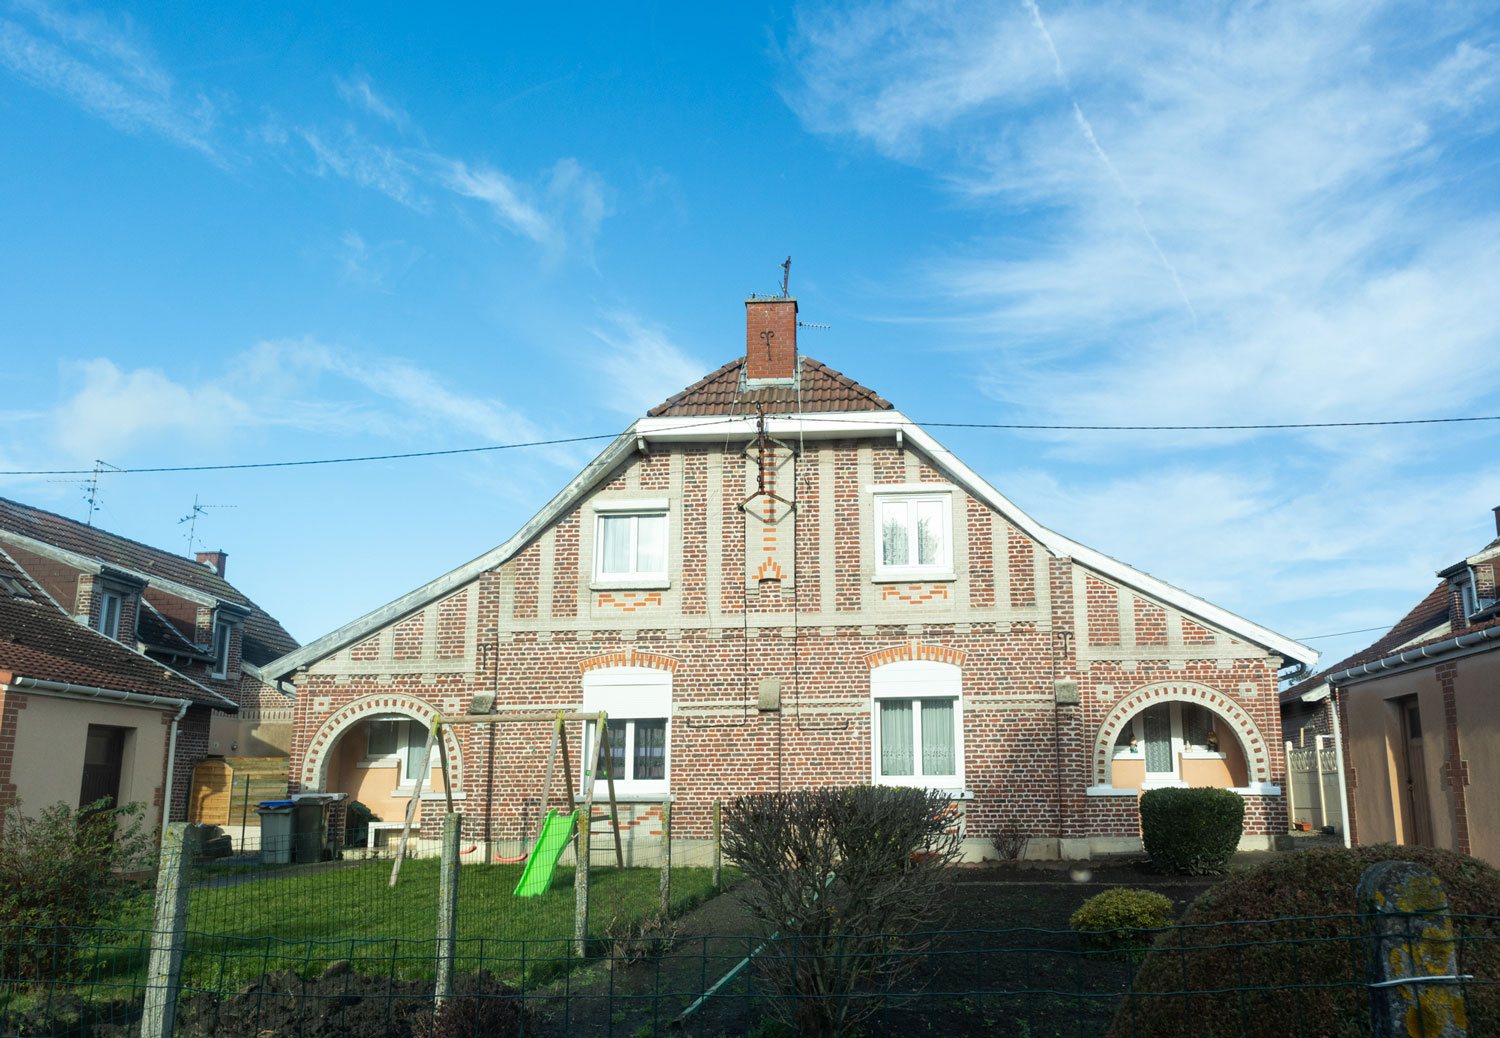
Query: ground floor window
[637,701]
[1162,736]
[917,725]
[638,749]
[401,741]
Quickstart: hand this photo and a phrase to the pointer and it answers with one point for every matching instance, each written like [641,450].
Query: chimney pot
[214,560]
[771,337]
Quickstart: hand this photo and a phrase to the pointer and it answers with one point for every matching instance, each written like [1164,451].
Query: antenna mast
[192,520]
[786,276]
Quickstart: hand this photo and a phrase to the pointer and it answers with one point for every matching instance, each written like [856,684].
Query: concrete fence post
[1411,962]
[581,891]
[666,858]
[717,856]
[447,930]
[169,930]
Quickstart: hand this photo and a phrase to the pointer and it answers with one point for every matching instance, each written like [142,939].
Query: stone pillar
[1411,961]
[169,930]
[447,931]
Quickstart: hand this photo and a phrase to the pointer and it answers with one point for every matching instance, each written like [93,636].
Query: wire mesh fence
[1020,981]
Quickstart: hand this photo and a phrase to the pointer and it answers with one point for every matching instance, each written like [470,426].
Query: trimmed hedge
[1192,831]
[1121,918]
[1286,932]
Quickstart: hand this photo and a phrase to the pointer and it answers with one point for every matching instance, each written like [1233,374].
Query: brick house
[179,614]
[775,580]
[1419,719]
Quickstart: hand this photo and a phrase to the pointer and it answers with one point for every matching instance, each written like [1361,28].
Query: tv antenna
[90,486]
[192,520]
[786,276]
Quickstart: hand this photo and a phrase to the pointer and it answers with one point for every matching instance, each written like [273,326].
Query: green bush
[1191,831]
[1121,918]
[1286,932]
[59,871]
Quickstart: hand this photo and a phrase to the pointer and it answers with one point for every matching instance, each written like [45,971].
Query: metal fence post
[169,930]
[666,858]
[447,908]
[581,891]
[1411,965]
[716,845]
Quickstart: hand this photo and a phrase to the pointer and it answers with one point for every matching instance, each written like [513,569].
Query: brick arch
[915,650]
[314,772]
[1224,707]
[631,657]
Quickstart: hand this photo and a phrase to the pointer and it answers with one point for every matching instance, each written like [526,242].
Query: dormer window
[222,632]
[109,615]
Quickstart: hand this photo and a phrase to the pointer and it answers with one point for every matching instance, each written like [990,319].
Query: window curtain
[938,750]
[1158,724]
[416,742]
[894,550]
[651,544]
[650,750]
[896,758]
[1194,725]
[929,532]
[615,544]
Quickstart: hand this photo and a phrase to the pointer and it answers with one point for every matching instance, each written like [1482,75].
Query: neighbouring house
[178,613]
[84,717]
[776,580]
[1420,718]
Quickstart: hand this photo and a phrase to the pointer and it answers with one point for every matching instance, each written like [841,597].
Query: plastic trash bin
[275,831]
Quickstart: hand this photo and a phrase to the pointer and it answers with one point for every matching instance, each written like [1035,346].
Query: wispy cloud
[640,366]
[357,90]
[98,64]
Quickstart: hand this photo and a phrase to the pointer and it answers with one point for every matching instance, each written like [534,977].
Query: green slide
[556,831]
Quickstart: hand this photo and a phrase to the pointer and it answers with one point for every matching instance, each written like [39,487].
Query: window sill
[428,795]
[377,762]
[911,576]
[941,784]
[1202,755]
[1110,791]
[630,584]
[634,796]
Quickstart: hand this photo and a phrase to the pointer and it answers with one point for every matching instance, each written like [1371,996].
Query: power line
[1338,634]
[1270,426]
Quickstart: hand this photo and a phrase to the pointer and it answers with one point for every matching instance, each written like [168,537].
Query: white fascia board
[87,565]
[451,581]
[788,427]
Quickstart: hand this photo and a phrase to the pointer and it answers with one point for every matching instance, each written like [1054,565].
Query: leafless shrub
[1010,840]
[847,879]
[629,939]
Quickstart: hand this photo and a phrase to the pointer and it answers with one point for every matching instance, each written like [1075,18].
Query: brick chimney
[771,337]
[1496,510]
[214,560]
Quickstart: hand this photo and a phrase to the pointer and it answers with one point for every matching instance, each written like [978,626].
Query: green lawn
[244,925]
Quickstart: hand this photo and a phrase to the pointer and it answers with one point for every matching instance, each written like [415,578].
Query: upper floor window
[917,734]
[914,533]
[630,542]
[222,632]
[109,615]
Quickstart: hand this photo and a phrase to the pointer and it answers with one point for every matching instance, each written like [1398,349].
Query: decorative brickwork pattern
[694,522]
[1196,634]
[1103,611]
[915,593]
[1150,623]
[528,581]
[981,555]
[1022,574]
[407,643]
[628,601]
[565,566]
[1225,708]
[452,626]
[1455,768]
[915,650]
[631,657]
[846,546]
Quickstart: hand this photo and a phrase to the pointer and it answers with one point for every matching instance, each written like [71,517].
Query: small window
[631,546]
[915,534]
[637,750]
[222,635]
[109,615]
[402,740]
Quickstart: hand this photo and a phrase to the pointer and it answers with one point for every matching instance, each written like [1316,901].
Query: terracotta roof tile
[1431,612]
[819,388]
[264,638]
[38,640]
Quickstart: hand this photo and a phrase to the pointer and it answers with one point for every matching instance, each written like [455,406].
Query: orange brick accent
[914,592]
[915,650]
[630,601]
[628,658]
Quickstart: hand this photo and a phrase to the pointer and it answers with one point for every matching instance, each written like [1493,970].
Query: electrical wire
[1034,427]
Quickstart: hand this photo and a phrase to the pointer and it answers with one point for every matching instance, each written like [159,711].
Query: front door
[1418,824]
[103,754]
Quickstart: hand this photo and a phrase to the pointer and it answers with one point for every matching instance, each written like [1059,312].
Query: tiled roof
[819,388]
[264,638]
[157,631]
[1429,613]
[38,640]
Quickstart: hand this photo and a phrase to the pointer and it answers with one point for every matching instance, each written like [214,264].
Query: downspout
[166,804]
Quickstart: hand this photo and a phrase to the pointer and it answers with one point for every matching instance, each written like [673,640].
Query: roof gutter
[72,691]
[1461,645]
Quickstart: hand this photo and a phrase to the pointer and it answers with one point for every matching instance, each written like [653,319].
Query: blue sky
[283,232]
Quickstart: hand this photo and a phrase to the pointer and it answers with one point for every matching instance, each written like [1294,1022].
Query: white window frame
[910,494]
[408,754]
[1179,750]
[917,680]
[625,508]
[223,635]
[628,694]
[109,622]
